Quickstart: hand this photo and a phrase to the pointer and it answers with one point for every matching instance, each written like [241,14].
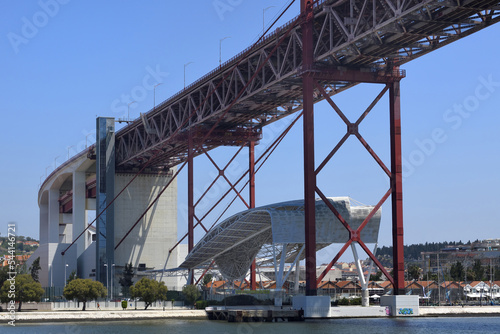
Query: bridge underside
[262,84]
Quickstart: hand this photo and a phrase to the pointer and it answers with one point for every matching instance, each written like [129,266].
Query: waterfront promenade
[337,312]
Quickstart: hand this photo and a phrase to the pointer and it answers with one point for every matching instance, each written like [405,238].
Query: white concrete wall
[79,216]
[86,261]
[53,221]
[53,263]
[149,242]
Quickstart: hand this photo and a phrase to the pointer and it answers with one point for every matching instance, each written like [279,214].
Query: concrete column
[79,217]
[79,213]
[105,174]
[365,297]
[44,224]
[297,279]
[148,243]
[53,216]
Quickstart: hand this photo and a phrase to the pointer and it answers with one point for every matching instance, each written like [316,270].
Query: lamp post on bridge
[220,49]
[69,147]
[186,65]
[263,18]
[55,162]
[154,96]
[128,110]
[86,139]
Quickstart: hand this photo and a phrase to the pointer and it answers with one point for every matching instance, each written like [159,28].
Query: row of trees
[146,290]
[25,287]
[412,252]
[457,272]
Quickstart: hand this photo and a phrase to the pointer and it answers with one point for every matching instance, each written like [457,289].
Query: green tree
[26,290]
[432,276]
[477,271]
[4,274]
[149,291]
[413,272]
[126,279]
[191,294]
[457,271]
[207,279]
[35,268]
[376,277]
[72,276]
[84,290]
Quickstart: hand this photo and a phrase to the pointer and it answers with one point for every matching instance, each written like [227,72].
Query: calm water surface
[484,325]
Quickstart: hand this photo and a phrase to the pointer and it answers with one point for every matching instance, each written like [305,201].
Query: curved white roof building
[235,242]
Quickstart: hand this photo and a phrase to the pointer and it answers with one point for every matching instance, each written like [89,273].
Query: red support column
[251,184]
[309,174]
[397,189]
[190,199]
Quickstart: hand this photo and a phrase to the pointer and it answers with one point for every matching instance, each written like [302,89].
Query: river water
[484,325]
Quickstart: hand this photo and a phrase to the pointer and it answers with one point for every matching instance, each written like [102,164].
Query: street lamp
[263,18]
[65,277]
[128,110]
[112,276]
[154,95]
[106,265]
[185,65]
[55,162]
[46,172]
[69,147]
[220,49]
[50,269]
[86,139]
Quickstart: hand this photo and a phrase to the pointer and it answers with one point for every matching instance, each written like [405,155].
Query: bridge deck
[263,83]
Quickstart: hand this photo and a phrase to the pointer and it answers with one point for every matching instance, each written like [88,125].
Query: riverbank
[71,316]
[337,312]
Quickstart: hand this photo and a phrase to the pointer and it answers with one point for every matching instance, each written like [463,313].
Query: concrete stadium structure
[70,195]
[273,234]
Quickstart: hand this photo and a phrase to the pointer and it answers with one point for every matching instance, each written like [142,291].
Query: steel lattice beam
[363,34]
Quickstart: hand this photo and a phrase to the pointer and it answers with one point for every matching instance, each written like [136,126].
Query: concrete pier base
[401,306]
[365,298]
[313,306]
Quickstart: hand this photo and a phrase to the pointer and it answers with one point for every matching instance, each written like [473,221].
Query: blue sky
[85,58]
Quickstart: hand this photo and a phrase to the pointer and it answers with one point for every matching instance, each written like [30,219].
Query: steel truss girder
[352,33]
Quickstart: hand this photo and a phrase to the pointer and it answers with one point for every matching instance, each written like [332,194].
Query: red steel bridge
[328,48]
